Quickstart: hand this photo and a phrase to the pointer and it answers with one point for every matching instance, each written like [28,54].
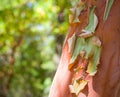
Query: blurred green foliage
[31,35]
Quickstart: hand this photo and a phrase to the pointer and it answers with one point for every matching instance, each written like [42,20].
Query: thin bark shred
[109,4]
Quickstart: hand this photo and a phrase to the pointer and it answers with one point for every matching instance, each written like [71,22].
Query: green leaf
[109,4]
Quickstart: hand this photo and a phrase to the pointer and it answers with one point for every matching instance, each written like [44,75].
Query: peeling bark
[106,82]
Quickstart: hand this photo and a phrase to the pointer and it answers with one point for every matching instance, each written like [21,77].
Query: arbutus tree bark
[105,81]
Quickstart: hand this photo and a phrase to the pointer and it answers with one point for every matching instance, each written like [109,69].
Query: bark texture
[106,83]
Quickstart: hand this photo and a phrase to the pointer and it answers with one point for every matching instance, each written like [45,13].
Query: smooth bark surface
[106,83]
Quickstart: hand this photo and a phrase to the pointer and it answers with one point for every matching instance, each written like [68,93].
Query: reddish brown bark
[106,83]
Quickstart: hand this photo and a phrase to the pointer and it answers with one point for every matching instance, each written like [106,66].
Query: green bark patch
[109,4]
[92,24]
[90,27]
[92,53]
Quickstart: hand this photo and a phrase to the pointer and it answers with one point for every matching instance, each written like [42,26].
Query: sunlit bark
[106,83]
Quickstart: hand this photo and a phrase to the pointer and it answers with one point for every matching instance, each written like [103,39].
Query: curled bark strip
[77,86]
[71,43]
[96,41]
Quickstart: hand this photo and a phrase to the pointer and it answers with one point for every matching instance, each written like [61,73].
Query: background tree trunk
[106,83]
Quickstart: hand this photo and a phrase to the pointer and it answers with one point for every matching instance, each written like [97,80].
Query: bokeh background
[31,37]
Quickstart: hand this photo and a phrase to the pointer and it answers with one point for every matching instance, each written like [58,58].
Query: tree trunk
[106,82]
